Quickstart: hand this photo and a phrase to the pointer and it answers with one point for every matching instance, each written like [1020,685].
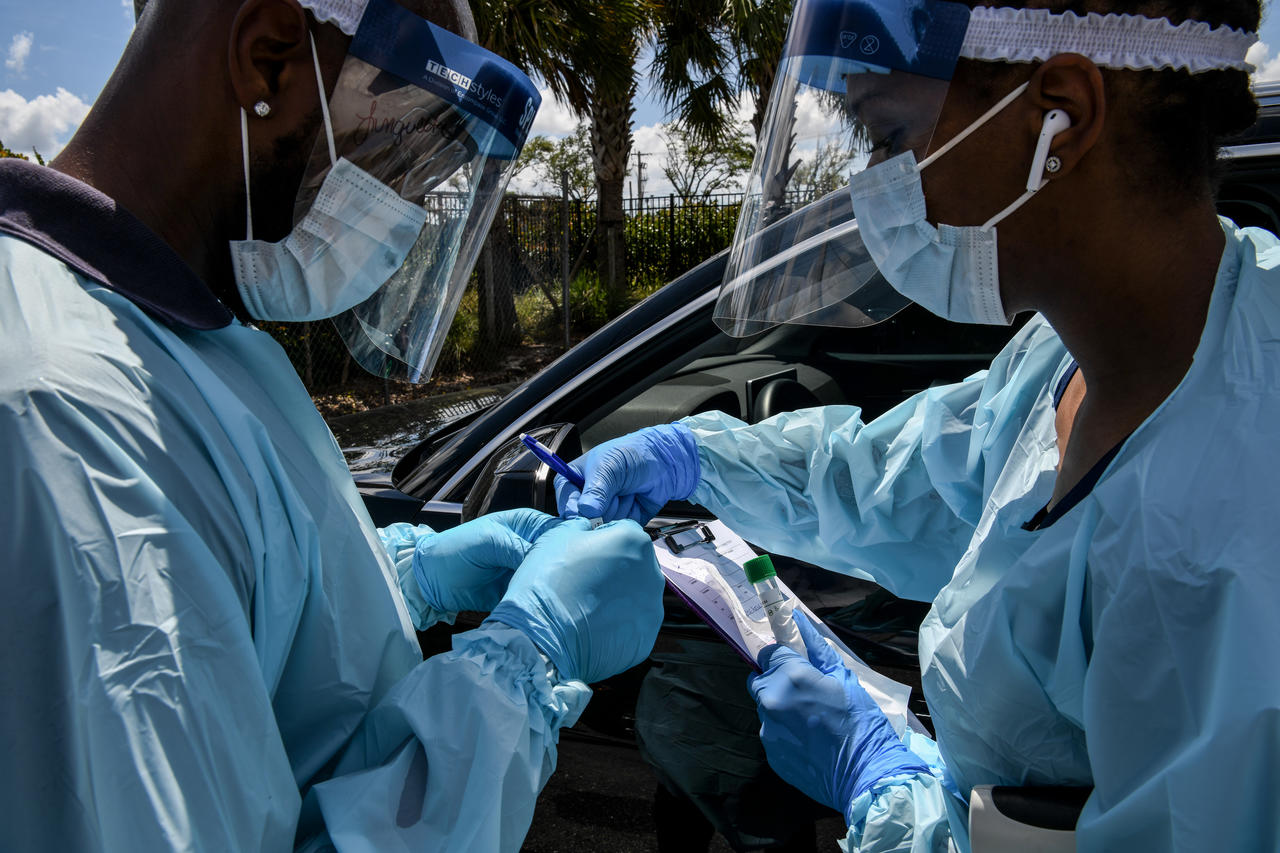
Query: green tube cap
[759,568]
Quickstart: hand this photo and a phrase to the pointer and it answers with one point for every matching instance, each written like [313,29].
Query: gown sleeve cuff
[401,542]
[704,426]
[907,811]
[504,652]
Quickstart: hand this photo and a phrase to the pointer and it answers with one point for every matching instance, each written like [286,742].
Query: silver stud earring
[1052,165]
[262,109]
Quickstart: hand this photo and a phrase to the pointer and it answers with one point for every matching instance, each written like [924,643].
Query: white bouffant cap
[1001,34]
[344,14]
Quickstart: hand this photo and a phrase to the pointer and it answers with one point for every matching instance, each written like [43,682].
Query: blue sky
[55,56]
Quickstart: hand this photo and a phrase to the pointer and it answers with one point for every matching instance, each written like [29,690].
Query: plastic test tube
[777,606]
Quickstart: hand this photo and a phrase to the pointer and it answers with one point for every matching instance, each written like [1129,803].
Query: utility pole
[640,167]
[564,253]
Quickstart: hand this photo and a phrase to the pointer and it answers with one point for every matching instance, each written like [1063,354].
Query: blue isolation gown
[205,642]
[1130,645]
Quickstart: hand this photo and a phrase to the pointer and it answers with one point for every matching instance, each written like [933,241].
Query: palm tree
[708,53]
[586,52]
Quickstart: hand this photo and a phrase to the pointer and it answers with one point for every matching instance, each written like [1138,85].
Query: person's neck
[1131,308]
[142,160]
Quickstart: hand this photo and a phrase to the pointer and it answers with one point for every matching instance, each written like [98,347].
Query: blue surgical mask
[951,271]
[354,237]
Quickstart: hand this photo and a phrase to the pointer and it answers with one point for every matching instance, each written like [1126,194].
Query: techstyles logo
[526,118]
[462,81]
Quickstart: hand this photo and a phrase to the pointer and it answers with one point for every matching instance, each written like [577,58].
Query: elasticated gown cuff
[506,654]
[401,541]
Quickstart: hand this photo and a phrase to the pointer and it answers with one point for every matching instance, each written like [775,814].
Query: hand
[821,731]
[591,600]
[467,567]
[633,476]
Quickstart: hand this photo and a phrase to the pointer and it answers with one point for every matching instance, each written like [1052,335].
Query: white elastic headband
[344,14]
[1134,42]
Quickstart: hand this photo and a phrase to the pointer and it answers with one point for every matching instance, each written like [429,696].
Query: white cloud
[554,119]
[19,50]
[44,122]
[1268,66]
[814,119]
[526,183]
[743,111]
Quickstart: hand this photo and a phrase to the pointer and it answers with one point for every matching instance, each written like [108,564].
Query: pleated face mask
[354,237]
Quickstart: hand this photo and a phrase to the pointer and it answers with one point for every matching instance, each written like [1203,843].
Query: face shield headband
[440,122]
[863,82]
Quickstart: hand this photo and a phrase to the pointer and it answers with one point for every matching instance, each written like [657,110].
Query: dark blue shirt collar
[1081,490]
[99,239]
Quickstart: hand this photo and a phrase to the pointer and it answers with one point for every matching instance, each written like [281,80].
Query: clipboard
[702,564]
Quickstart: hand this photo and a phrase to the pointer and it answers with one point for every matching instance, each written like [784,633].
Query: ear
[270,57]
[1071,83]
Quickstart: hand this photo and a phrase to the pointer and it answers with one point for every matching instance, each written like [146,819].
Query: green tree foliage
[823,170]
[548,158]
[5,152]
[570,44]
[710,53]
[666,241]
[697,167]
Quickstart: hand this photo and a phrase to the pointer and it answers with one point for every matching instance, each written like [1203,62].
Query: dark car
[662,360]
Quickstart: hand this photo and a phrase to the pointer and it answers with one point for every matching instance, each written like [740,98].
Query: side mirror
[513,477]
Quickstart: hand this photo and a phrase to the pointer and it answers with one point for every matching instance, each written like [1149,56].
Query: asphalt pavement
[576,815]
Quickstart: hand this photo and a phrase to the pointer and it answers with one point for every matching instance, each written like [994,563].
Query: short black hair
[1175,121]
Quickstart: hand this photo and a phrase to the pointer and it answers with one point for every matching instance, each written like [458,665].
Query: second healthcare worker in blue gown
[1093,516]
[207,645]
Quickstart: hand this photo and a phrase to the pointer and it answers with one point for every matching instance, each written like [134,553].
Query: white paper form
[710,577]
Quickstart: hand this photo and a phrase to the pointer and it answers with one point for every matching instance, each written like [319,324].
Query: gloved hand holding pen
[633,476]
[821,731]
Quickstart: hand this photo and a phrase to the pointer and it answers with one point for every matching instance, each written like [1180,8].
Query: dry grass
[364,392]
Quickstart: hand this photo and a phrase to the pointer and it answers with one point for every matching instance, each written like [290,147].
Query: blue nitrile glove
[591,600]
[633,476]
[467,567]
[821,731]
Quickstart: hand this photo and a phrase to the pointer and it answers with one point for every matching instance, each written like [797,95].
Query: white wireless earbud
[1055,122]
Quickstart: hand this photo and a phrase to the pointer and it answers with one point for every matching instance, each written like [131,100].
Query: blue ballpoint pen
[555,463]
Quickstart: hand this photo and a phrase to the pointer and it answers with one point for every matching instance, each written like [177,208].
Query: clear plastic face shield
[440,121]
[860,87]
[859,81]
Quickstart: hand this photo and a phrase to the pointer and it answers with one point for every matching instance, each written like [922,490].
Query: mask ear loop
[244,155]
[981,120]
[1055,122]
[324,102]
[244,137]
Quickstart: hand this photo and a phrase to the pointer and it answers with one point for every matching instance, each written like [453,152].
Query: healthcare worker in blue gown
[207,645]
[1092,517]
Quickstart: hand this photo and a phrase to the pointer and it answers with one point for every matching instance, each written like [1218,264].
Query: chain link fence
[514,316]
